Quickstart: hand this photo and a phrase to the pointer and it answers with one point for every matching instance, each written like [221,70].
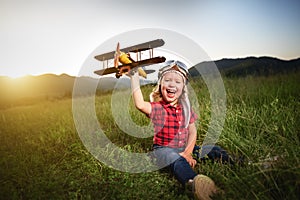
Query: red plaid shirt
[169,124]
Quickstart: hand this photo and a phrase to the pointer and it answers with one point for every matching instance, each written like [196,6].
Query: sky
[54,36]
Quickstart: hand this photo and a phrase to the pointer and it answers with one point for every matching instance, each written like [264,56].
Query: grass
[42,156]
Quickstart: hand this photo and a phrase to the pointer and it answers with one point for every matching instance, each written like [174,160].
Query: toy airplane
[127,63]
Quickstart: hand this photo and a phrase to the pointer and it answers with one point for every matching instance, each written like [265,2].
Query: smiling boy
[175,132]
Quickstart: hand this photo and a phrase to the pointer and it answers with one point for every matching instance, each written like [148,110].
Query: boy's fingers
[132,72]
[193,163]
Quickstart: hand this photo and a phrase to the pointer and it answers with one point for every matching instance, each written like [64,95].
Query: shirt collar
[168,105]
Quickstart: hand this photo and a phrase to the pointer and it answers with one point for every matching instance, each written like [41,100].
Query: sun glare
[14,75]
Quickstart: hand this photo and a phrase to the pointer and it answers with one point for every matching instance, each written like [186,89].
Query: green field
[42,156]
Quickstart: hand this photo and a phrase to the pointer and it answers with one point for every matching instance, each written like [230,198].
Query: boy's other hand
[189,158]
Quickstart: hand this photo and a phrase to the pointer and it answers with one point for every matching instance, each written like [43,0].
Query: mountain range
[240,67]
[52,86]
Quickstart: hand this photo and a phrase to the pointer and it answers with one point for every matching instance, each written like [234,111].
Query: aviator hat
[175,66]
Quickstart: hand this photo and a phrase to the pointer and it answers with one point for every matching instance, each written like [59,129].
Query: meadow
[42,156]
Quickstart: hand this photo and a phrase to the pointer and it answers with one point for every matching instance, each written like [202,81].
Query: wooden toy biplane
[123,62]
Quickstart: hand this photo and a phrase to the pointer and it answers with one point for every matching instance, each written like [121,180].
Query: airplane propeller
[117,55]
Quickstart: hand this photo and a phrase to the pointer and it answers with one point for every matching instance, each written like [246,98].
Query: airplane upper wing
[136,48]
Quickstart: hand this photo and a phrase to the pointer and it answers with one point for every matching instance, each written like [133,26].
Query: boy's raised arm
[137,95]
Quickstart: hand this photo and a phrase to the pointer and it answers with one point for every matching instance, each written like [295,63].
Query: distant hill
[28,89]
[257,66]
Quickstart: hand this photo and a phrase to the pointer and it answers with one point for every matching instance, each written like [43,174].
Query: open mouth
[171,92]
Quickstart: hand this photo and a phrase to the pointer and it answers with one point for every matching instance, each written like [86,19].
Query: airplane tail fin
[142,72]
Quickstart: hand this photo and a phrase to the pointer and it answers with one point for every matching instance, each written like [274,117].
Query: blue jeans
[169,157]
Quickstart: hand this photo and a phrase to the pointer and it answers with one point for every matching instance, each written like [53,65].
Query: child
[174,125]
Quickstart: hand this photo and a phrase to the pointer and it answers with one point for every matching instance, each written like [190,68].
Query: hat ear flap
[186,105]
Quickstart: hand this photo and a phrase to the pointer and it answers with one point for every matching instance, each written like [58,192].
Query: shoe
[203,187]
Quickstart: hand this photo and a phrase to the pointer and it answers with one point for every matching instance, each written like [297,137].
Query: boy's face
[171,87]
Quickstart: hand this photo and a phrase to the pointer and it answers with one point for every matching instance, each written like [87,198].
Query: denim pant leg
[182,170]
[170,157]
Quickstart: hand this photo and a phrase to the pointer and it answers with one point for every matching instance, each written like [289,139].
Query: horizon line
[65,73]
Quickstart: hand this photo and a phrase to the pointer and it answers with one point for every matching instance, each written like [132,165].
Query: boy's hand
[189,158]
[132,72]
[137,70]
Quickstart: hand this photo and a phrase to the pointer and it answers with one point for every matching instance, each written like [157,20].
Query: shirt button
[179,122]
[179,133]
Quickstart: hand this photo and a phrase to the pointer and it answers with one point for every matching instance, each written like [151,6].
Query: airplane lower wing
[140,63]
[146,62]
[105,71]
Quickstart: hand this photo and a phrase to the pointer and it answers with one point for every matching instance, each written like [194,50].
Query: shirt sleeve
[155,109]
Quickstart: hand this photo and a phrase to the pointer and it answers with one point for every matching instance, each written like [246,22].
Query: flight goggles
[176,65]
